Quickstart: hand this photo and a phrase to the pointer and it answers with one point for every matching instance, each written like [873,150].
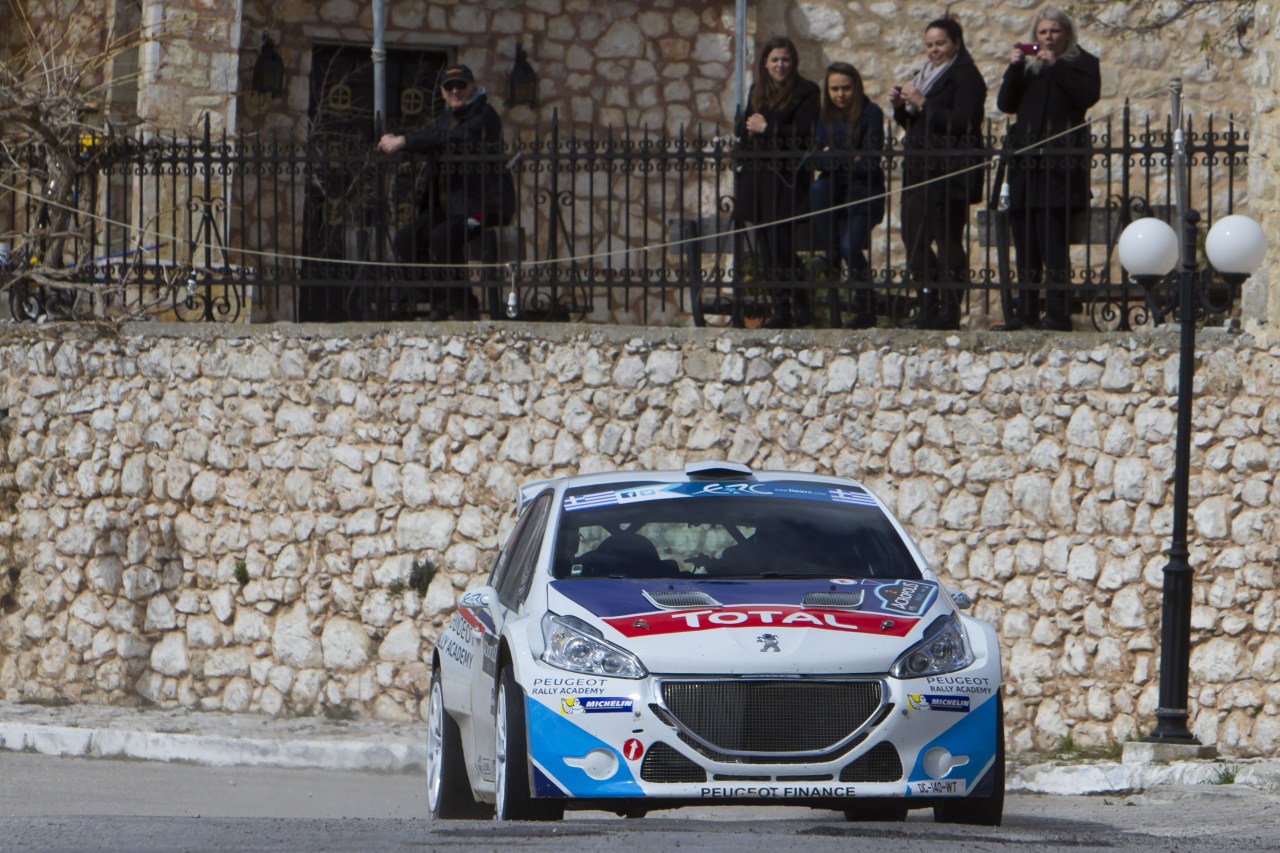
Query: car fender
[984,642]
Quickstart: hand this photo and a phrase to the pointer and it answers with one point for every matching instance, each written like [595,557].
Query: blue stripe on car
[552,737]
[972,735]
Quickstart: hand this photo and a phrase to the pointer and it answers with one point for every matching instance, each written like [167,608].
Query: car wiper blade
[776,576]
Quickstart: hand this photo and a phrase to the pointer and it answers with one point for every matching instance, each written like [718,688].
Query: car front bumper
[597,738]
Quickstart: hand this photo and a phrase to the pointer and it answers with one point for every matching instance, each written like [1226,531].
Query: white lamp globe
[1148,247]
[1236,245]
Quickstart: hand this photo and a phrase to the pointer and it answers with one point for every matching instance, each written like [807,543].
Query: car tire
[515,800]
[449,794]
[877,811]
[980,811]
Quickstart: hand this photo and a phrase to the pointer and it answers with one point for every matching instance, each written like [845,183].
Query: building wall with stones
[662,65]
[226,519]
[669,64]
[1261,307]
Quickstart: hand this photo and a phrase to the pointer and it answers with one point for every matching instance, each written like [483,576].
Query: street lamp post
[1148,249]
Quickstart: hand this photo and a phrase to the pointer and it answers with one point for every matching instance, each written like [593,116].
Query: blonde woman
[1049,85]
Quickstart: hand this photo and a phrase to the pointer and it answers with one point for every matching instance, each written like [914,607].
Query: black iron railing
[617,227]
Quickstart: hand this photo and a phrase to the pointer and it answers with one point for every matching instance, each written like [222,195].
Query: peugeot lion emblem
[768,643]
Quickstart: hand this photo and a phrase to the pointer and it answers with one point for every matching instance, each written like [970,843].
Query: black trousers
[1041,238]
[440,240]
[933,233]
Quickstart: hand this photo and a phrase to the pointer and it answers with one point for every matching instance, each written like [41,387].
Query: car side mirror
[963,601]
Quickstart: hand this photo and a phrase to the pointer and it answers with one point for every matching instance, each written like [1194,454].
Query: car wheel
[877,811]
[448,789]
[980,811]
[514,793]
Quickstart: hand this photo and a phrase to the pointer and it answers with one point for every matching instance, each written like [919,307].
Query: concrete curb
[375,750]
[387,755]
[1113,777]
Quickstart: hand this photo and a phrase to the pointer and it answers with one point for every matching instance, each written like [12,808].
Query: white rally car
[713,635]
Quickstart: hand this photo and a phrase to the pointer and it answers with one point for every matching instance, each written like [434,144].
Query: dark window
[742,535]
[345,203]
[514,571]
[342,90]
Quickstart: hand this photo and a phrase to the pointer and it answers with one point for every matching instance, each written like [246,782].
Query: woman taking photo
[941,111]
[1049,90]
[849,139]
[775,131]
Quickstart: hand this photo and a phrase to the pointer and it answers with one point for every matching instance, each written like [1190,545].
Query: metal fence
[619,227]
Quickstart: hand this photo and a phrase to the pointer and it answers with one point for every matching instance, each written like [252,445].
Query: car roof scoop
[837,600]
[679,600]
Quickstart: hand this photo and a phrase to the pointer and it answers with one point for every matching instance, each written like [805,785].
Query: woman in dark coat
[1049,91]
[778,120]
[849,139]
[941,111]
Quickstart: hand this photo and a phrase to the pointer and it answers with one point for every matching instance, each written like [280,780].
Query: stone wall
[669,64]
[1261,306]
[228,519]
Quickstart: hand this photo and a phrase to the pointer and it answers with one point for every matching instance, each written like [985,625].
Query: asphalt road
[51,803]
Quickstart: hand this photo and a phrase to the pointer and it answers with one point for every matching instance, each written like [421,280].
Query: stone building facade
[228,519]
[662,65]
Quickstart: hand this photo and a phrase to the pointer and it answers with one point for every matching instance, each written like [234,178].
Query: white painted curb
[389,755]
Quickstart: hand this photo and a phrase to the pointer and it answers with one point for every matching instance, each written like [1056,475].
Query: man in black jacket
[462,197]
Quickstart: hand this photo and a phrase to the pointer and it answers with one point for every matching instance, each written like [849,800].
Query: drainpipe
[233,93]
[739,56]
[379,64]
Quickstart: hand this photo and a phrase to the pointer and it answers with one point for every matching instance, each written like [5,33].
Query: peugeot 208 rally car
[713,635]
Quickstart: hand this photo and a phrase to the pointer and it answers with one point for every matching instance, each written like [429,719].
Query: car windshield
[727,530]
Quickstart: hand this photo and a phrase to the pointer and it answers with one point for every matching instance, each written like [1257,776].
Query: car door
[501,601]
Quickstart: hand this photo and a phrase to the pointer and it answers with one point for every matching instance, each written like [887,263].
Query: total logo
[756,616]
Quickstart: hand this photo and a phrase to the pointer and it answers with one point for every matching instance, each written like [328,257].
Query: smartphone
[1028,48]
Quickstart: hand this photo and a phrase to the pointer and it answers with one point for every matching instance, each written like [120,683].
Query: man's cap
[457,72]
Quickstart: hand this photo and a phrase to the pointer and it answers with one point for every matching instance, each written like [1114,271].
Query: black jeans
[440,240]
[933,233]
[1041,237]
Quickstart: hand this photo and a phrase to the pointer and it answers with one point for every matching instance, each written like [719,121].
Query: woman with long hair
[848,196]
[1049,85]
[940,110]
[774,132]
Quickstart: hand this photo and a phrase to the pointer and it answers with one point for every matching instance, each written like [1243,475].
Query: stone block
[345,644]
[292,641]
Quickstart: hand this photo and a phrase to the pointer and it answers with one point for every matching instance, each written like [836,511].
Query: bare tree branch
[1228,23]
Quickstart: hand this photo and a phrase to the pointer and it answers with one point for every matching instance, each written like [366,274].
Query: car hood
[745,627]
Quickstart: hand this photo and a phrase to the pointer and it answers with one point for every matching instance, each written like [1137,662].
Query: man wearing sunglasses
[472,191]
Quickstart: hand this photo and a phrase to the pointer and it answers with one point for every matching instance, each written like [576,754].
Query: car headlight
[942,650]
[578,647]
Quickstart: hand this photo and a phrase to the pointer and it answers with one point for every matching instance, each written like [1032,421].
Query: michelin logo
[594,705]
[925,702]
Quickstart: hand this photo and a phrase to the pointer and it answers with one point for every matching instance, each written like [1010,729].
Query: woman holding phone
[941,111]
[1049,85]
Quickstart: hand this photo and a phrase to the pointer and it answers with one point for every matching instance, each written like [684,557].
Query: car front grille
[663,764]
[770,717]
[881,763]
